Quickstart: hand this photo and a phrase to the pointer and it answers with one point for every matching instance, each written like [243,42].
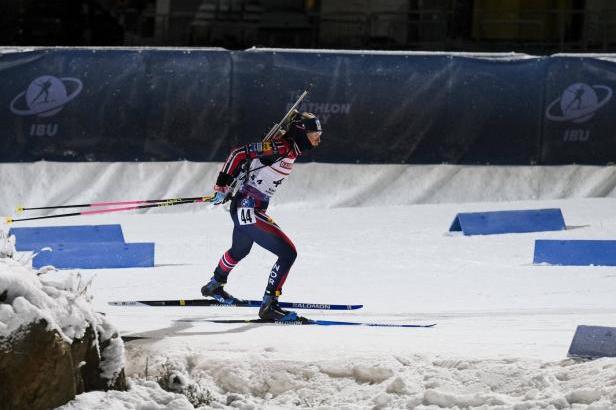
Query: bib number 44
[246,216]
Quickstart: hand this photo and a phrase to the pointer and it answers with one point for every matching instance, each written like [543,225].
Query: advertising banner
[396,107]
[188,105]
[375,107]
[112,105]
[578,125]
[493,112]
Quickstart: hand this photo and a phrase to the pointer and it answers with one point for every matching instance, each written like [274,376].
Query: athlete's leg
[240,247]
[268,234]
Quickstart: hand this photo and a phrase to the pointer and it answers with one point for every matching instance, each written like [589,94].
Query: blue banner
[114,105]
[65,105]
[188,105]
[578,121]
[493,112]
[380,107]
[399,108]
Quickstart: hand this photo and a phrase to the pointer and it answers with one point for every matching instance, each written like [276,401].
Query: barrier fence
[62,104]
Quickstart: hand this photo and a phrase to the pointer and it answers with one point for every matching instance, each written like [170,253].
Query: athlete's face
[314,138]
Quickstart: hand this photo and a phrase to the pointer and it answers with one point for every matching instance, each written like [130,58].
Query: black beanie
[297,131]
[312,124]
[308,122]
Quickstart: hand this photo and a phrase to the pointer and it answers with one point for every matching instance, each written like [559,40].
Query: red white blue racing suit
[270,164]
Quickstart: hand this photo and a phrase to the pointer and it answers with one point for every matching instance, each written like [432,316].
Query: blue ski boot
[215,289]
[271,310]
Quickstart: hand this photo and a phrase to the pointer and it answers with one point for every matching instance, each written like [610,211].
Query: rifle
[286,119]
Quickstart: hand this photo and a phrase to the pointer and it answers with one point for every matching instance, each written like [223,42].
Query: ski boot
[271,310]
[215,289]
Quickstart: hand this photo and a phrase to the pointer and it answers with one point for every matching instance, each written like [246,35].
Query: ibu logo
[578,103]
[42,130]
[45,97]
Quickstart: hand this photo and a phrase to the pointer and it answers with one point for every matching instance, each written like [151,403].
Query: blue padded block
[593,341]
[102,255]
[27,239]
[498,222]
[575,252]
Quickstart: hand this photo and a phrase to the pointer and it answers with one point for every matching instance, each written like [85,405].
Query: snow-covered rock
[53,345]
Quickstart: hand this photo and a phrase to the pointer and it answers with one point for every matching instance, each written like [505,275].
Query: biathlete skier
[270,162]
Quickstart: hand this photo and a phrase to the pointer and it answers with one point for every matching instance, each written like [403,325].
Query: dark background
[532,26]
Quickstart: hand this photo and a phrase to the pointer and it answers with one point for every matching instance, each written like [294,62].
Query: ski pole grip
[19,209]
[8,220]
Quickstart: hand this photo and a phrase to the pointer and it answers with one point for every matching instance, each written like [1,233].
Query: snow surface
[376,235]
[496,56]
[507,56]
[146,395]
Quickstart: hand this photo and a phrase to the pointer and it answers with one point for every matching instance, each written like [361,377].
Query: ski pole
[125,208]
[107,203]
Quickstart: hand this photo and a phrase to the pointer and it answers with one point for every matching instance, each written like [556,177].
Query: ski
[304,321]
[242,303]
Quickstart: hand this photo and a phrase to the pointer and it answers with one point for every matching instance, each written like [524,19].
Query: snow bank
[141,395]
[509,56]
[63,304]
[312,185]
[399,382]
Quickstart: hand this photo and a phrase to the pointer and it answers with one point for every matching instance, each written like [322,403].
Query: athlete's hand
[220,193]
